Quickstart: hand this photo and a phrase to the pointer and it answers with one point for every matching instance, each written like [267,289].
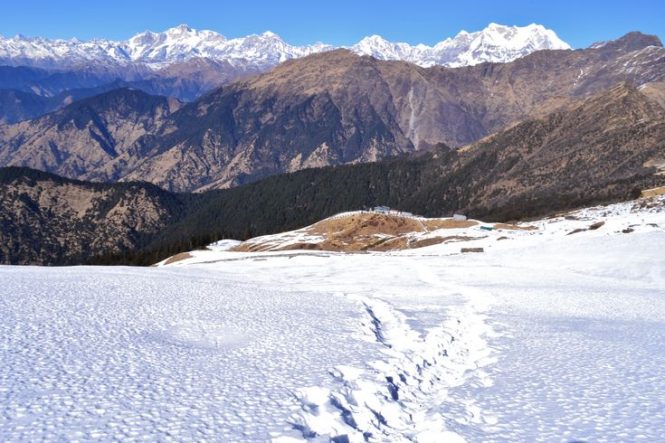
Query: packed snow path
[535,340]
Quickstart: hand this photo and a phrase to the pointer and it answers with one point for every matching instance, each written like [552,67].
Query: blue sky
[340,22]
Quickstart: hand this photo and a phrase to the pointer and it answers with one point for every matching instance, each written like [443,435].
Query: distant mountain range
[325,109]
[39,75]
[496,43]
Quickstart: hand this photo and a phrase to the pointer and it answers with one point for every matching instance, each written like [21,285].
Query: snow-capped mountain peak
[270,34]
[495,43]
[379,47]
[180,29]
[173,45]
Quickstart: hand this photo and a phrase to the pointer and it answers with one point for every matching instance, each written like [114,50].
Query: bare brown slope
[87,135]
[49,220]
[606,147]
[366,231]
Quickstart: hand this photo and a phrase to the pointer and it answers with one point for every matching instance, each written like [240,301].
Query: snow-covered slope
[495,43]
[544,337]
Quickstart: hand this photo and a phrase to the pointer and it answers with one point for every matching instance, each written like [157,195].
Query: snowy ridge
[154,49]
[496,43]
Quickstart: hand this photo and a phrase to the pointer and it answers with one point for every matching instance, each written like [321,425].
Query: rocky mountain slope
[48,220]
[337,107]
[86,135]
[607,147]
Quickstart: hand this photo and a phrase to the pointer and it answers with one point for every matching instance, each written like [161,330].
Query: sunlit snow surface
[544,337]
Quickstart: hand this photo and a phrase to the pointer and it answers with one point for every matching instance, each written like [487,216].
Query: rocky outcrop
[607,147]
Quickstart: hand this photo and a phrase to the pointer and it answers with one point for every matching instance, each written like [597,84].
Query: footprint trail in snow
[404,394]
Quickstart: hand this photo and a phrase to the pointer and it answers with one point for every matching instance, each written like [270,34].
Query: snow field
[544,337]
[130,354]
